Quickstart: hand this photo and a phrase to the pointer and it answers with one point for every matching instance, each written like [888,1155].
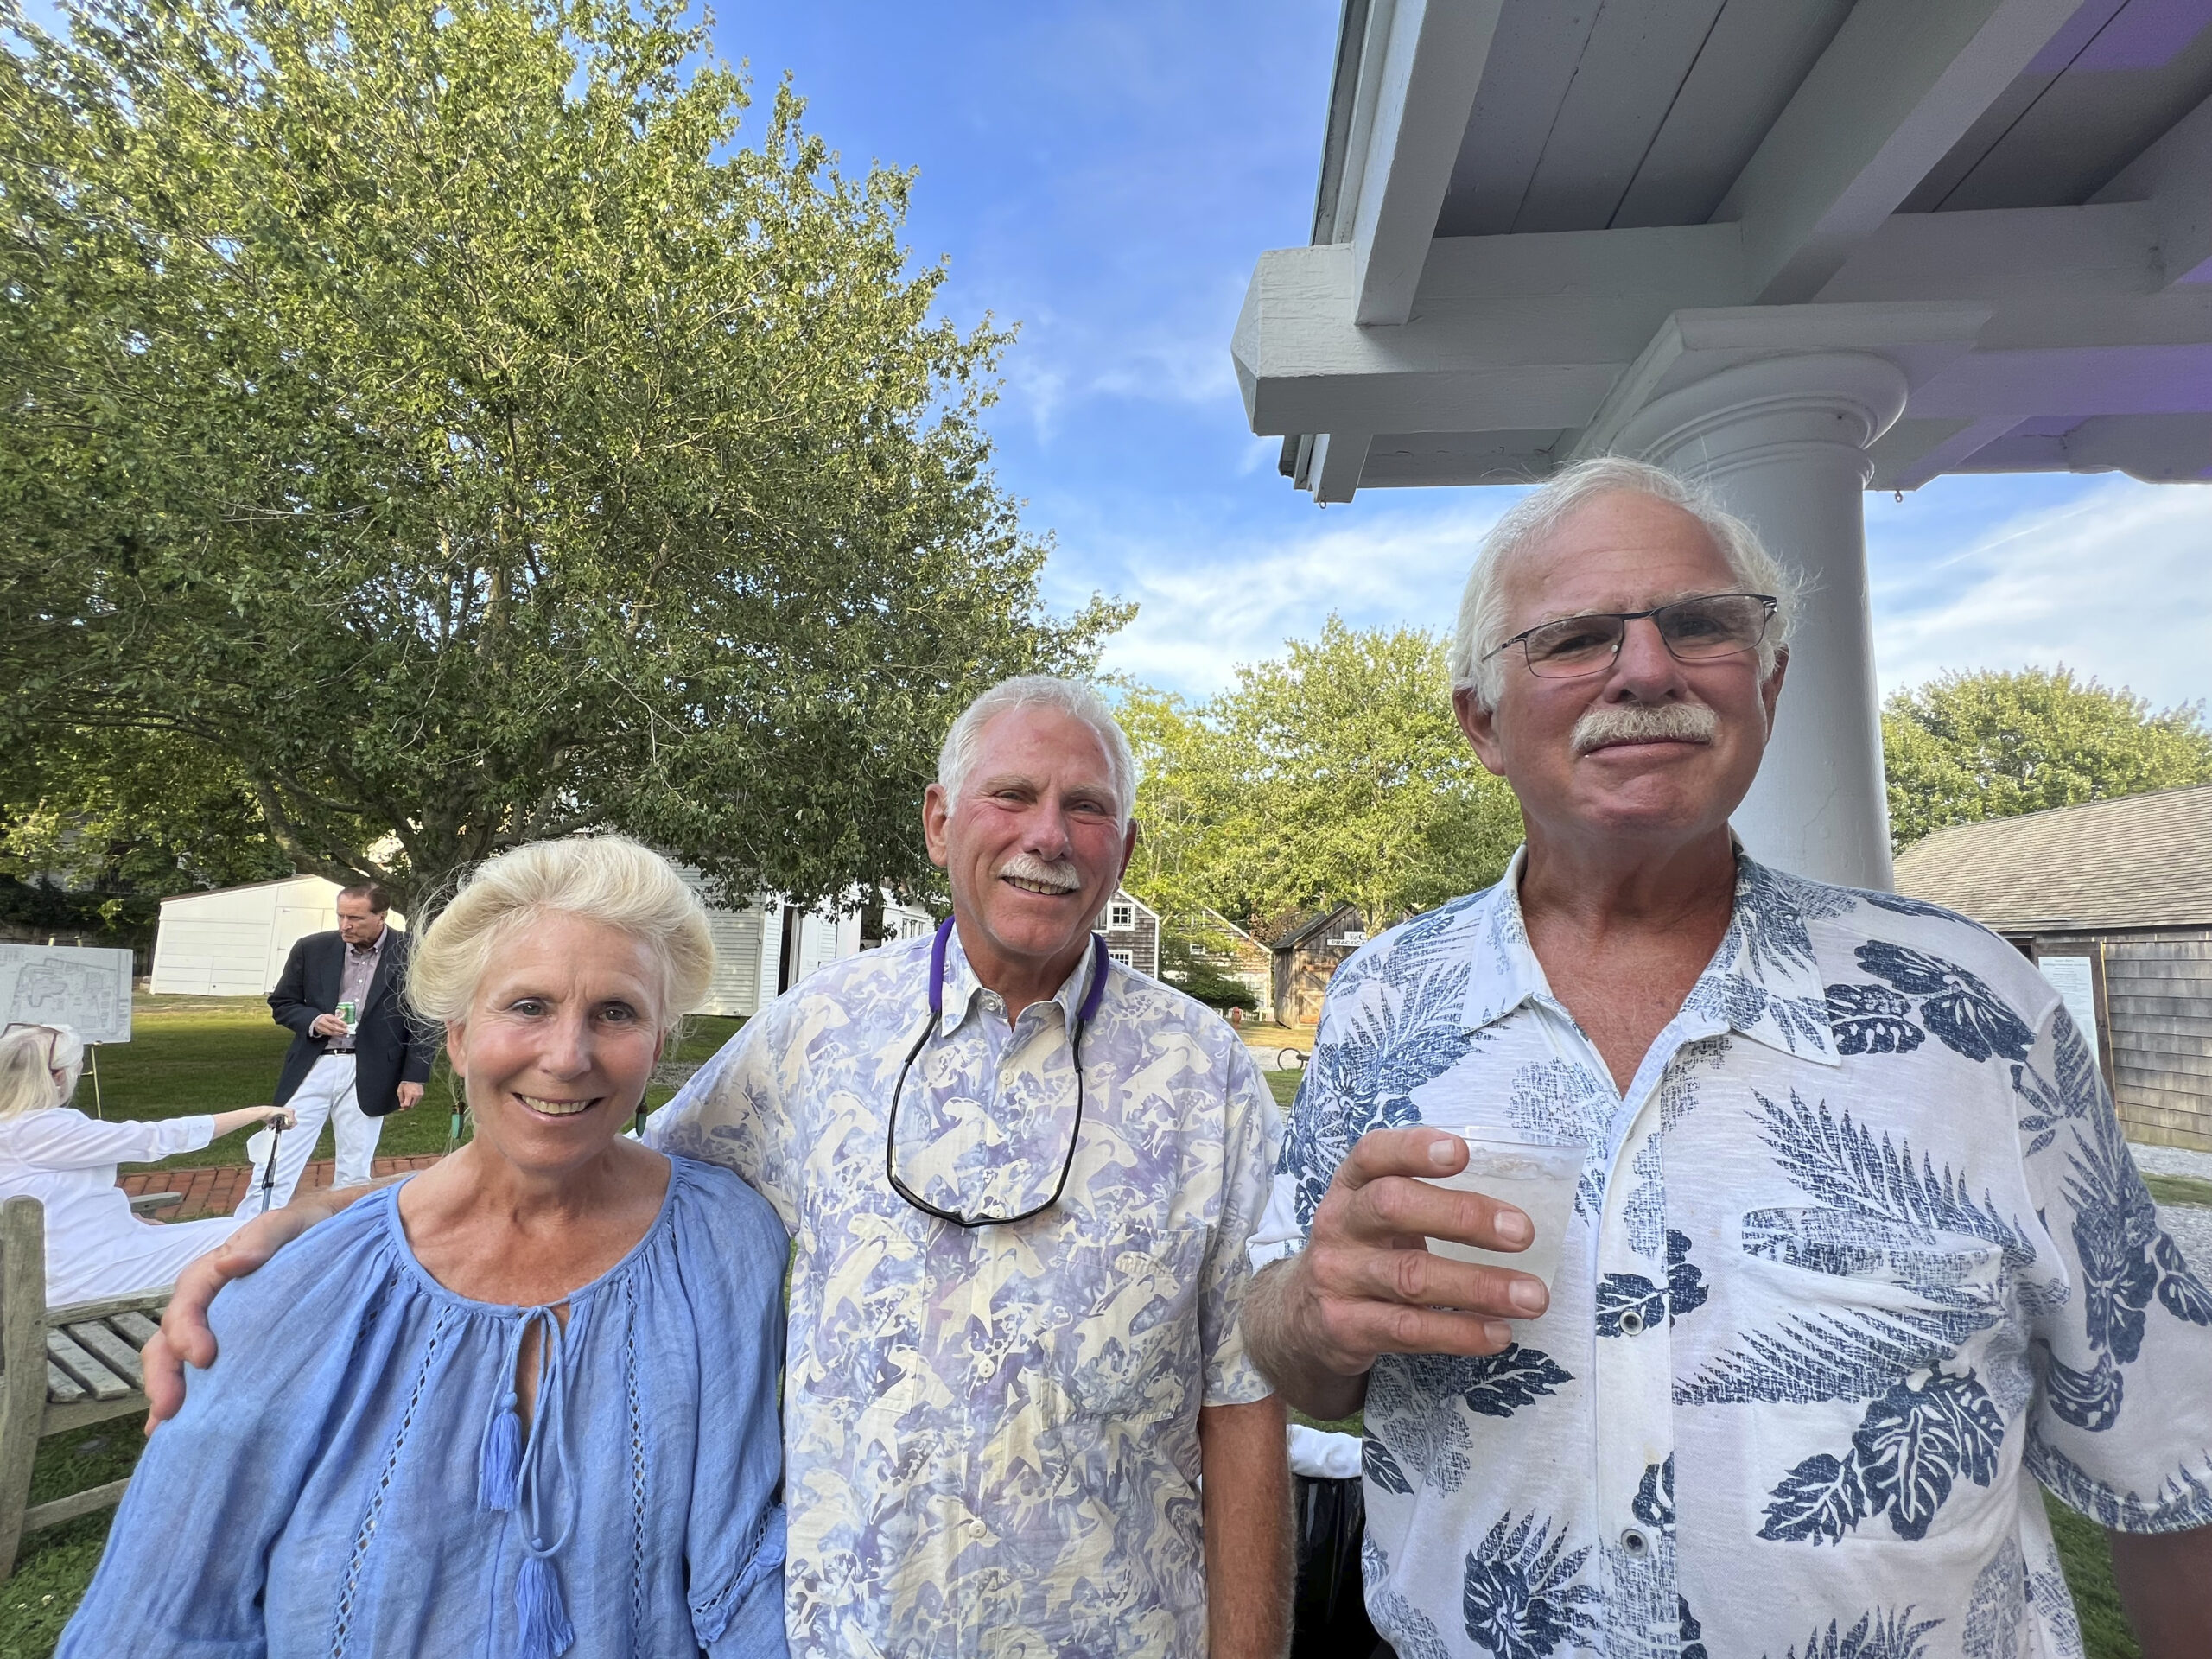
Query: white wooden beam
[1433,63]
[1973,436]
[1997,318]
[1338,459]
[1510,332]
[2174,177]
[1899,85]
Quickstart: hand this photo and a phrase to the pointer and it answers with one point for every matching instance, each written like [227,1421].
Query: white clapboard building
[233,941]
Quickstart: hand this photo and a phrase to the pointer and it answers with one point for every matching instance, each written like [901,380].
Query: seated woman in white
[94,1246]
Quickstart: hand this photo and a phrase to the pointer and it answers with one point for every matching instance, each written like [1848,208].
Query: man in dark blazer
[352,1075]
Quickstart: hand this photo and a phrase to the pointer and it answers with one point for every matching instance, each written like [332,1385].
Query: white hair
[608,879]
[1482,614]
[29,1055]
[1077,699]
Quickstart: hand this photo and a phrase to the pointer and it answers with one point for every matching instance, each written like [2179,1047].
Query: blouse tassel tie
[530,1476]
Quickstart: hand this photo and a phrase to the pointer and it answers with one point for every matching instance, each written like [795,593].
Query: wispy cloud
[2111,577]
[1204,607]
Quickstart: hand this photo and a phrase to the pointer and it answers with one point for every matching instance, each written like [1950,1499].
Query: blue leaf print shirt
[991,1433]
[1860,1258]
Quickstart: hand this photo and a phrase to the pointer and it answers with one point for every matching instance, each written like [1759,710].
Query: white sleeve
[64,1138]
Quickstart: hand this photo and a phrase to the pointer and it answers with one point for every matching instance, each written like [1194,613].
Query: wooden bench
[60,1368]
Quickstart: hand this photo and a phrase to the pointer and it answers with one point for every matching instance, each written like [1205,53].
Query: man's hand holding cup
[1367,1283]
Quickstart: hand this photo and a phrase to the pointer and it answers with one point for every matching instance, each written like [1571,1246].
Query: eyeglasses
[1075,1052]
[1694,630]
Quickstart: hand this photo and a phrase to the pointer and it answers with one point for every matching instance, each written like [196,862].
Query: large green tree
[1966,746]
[430,411]
[126,816]
[1333,773]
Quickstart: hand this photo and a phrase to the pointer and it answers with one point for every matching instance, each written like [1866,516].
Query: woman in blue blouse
[523,1404]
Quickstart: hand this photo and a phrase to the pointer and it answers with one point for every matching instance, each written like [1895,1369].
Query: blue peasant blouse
[350,1480]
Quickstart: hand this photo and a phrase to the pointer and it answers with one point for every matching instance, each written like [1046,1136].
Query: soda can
[349,1011]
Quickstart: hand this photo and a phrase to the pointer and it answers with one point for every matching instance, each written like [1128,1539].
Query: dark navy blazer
[388,1049]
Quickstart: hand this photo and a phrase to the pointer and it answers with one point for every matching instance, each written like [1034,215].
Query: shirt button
[1631,1322]
[1635,1542]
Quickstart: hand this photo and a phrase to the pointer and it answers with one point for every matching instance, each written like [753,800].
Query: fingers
[1420,1278]
[164,1380]
[1370,1284]
[1369,1330]
[1400,1151]
[1416,1277]
[1391,1210]
[186,1339]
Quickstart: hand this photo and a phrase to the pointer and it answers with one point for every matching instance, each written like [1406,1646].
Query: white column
[1781,441]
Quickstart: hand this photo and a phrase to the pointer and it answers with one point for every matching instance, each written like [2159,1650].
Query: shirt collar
[1764,981]
[962,987]
[371,949]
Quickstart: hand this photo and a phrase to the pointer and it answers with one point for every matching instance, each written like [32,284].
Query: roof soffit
[1512,345]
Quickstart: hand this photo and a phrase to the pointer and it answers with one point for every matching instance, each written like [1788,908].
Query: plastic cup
[1536,1177]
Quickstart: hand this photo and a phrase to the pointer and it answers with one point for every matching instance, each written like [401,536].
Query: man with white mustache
[1856,1247]
[1021,1180]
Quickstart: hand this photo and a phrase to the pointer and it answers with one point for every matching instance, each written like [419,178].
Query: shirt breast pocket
[1131,1352]
[1907,1336]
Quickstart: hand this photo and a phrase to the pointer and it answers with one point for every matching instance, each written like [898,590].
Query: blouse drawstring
[531,1477]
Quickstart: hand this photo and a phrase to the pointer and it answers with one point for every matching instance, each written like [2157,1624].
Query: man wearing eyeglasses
[1020,1180]
[1856,1255]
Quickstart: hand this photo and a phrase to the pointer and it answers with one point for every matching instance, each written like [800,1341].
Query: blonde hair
[607,879]
[28,1065]
[1482,605]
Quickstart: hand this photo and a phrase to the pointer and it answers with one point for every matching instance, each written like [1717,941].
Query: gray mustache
[1645,722]
[1061,872]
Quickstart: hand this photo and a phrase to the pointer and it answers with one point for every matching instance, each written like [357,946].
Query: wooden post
[22,1364]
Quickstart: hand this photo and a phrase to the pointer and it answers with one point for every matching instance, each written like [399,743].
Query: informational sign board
[86,989]
[2075,979]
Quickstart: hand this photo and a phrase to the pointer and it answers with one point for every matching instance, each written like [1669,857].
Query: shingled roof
[2142,861]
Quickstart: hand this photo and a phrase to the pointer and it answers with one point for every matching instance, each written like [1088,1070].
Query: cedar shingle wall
[2158,997]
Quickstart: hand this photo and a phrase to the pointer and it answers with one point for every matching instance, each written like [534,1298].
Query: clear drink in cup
[1536,1177]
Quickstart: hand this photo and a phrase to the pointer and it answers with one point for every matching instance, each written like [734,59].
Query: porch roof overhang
[1535,219]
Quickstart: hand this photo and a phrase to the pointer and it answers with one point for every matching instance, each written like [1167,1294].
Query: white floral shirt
[1859,1257]
[991,1433]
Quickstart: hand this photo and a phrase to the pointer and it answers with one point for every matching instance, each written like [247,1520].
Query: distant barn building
[1230,951]
[1306,948]
[233,941]
[1132,930]
[2114,901]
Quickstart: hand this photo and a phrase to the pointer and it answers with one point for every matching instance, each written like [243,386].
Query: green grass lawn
[2180,1189]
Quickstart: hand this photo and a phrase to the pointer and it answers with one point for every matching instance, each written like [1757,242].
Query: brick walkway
[216,1192]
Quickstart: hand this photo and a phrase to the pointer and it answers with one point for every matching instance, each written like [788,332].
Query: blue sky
[1106,175]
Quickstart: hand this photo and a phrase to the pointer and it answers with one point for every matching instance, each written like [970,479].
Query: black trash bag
[1329,1612]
